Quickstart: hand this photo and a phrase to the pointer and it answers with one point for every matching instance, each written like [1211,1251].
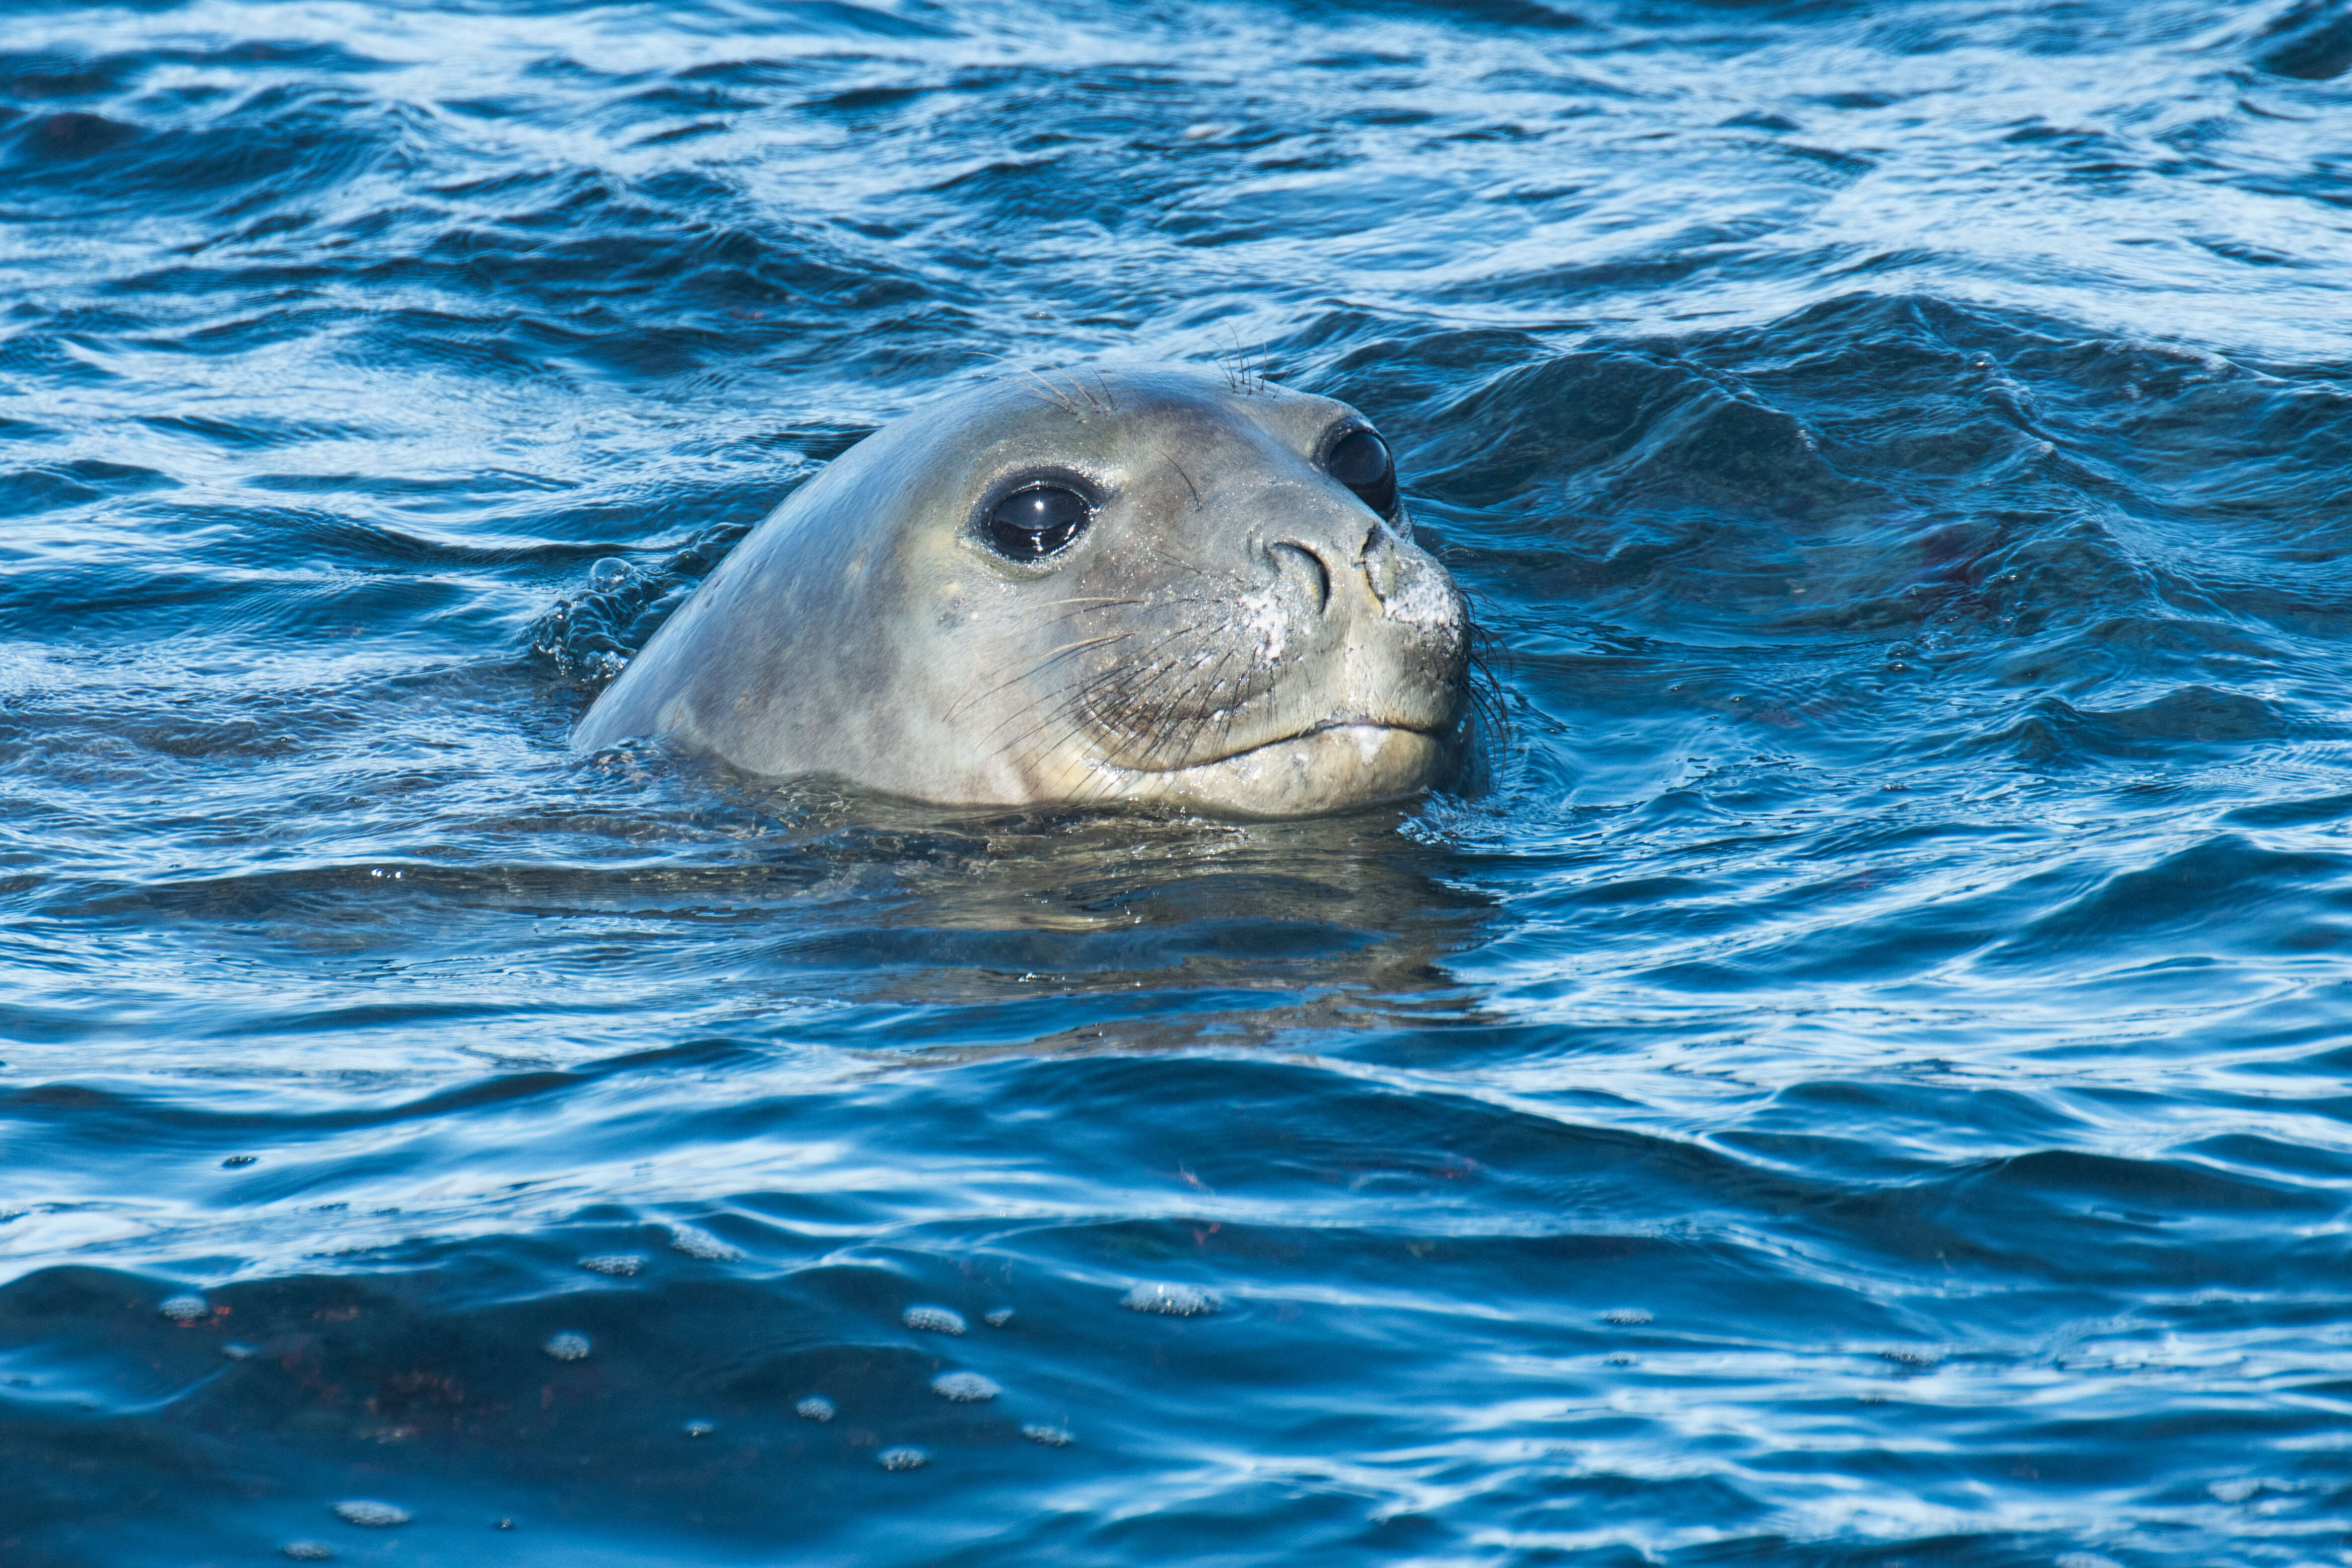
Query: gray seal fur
[1233,630]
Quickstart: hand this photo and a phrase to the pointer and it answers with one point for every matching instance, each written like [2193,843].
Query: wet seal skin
[1155,586]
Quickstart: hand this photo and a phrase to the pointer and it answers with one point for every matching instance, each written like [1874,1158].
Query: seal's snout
[1400,576]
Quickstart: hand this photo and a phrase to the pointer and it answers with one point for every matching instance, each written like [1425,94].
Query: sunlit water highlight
[1864,1085]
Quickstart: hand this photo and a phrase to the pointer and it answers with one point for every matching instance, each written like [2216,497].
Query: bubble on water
[622,1263]
[699,1428]
[567,1346]
[2238,1489]
[307,1551]
[1626,1317]
[815,1407]
[903,1458]
[231,1163]
[185,1308]
[998,1317]
[701,1244]
[1051,1436]
[608,574]
[373,1514]
[938,1320]
[1176,1301]
[964,1387]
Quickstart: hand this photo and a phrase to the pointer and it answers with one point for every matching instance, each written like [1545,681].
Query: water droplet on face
[1051,1436]
[307,1551]
[701,1244]
[622,1263]
[372,1514]
[937,1320]
[999,1317]
[185,1308]
[1625,1317]
[903,1458]
[1176,1301]
[964,1387]
[699,1428]
[815,1407]
[567,1346]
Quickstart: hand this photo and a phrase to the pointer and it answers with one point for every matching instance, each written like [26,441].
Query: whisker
[1206,694]
[1080,386]
[1124,684]
[1093,608]
[1046,660]
[1058,399]
[1156,720]
[1081,690]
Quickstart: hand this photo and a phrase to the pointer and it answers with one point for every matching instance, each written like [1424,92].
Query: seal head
[1147,586]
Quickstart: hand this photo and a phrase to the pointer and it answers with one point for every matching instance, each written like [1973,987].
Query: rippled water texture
[1864,1085]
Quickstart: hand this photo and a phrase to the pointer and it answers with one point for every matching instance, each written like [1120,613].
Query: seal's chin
[1327,768]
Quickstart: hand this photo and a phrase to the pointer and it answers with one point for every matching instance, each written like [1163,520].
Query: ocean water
[1863,1083]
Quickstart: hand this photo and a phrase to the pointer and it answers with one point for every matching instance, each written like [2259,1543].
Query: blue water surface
[1863,1085]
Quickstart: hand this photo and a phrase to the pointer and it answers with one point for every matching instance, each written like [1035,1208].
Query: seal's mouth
[1330,767]
[1365,732]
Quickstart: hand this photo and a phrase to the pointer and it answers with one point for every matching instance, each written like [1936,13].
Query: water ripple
[1863,1081]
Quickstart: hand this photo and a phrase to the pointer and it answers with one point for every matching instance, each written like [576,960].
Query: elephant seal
[1165,585]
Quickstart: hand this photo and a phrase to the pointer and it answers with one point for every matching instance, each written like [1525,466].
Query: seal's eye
[1030,525]
[1362,463]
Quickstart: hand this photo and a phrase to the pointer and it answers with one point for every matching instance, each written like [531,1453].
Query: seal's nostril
[1318,574]
[1384,565]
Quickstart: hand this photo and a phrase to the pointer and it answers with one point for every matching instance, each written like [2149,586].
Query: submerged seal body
[1157,585]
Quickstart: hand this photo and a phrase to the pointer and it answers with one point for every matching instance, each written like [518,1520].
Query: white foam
[937,1320]
[701,1244]
[613,1263]
[1175,1301]
[964,1387]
